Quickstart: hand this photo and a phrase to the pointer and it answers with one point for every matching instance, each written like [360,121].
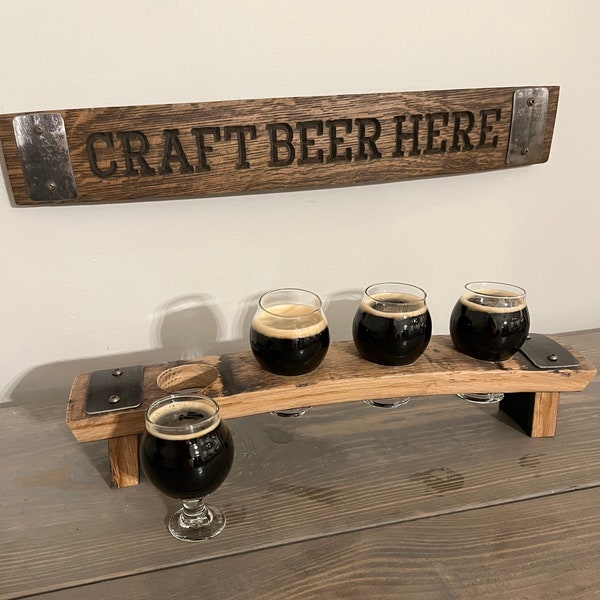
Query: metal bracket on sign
[545,353]
[110,390]
[44,152]
[526,139]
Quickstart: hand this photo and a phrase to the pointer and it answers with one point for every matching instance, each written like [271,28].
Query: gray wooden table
[437,499]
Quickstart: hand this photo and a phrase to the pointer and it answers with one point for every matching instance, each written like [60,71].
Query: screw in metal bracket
[114,399]
[117,372]
[51,186]
[552,357]
[530,101]
[524,151]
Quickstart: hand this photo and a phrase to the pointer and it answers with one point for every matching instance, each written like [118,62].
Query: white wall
[89,287]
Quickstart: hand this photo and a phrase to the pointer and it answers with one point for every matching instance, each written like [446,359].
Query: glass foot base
[292,412]
[189,527]
[388,402]
[491,398]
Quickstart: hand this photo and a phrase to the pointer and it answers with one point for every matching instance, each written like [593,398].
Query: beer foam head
[289,321]
[182,418]
[492,300]
[393,305]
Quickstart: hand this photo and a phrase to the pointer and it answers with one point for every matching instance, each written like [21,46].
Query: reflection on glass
[186,452]
[392,326]
[490,321]
[289,335]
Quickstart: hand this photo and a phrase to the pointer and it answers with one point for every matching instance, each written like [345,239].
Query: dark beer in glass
[186,452]
[490,321]
[392,325]
[289,333]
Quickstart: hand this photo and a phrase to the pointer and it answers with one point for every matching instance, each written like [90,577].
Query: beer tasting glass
[490,321]
[392,326]
[186,452]
[289,335]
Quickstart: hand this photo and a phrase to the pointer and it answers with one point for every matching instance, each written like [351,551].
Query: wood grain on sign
[236,147]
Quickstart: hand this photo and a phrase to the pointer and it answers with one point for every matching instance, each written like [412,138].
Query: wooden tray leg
[535,412]
[124,460]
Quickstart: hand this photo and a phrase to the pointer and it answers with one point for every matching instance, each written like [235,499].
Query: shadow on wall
[183,328]
[339,310]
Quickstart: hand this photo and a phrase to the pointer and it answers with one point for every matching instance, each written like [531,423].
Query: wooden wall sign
[233,147]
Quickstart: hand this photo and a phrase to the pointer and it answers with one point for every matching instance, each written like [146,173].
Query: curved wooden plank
[243,388]
[241,146]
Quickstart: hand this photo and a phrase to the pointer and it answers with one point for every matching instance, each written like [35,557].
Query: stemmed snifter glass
[186,452]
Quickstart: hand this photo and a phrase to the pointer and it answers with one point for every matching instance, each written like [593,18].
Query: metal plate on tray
[544,353]
[110,390]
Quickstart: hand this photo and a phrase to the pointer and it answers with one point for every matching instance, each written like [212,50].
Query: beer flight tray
[110,404]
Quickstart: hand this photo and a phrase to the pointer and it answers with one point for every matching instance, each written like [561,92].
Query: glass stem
[194,514]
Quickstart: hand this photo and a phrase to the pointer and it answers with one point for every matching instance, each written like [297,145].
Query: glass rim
[209,422]
[422,297]
[497,286]
[291,289]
